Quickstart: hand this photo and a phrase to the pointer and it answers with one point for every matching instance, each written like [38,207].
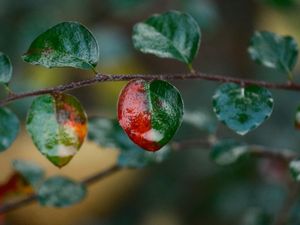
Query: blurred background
[187,189]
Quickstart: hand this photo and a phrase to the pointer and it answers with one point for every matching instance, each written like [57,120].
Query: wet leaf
[68,44]
[58,126]
[172,34]
[150,112]
[242,109]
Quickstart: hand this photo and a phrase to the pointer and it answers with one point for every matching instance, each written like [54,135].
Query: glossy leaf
[60,191]
[9,128]
[294,167]
[108,133]
[274,51]
[172,34]
[57,126]
[150,112]
[68,44]
[242,109]
[31,172]
[5,68]
[227,152]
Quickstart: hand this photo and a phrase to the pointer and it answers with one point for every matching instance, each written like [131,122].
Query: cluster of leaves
[57,123]
[55,191]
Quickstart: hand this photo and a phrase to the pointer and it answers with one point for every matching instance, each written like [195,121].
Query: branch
[125,77]
[254,150]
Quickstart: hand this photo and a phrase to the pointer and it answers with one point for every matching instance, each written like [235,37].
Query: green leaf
[242,109]
[172,34]
[108,133]
[68,44]
[57,125]
[31,172]
[227,152]
[294,168]
[274,51]
[60,191]
[9,128]
[5,69]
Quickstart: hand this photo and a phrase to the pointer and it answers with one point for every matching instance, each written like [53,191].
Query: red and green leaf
[150,112]
[58,126]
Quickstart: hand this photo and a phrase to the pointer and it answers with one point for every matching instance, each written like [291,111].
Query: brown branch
[123,77]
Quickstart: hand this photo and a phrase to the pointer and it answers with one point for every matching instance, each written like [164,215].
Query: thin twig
[125,77]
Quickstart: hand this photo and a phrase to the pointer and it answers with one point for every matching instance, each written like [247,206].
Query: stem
[99,78]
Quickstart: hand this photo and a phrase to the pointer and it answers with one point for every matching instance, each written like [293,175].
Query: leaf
[150,112]
[242,109]
[227,152]
[108,133]
[60,192]
[68,44]
[9,128]
[57,125]
[172,34]
[31,172]
[5,69]
[274,51]
[294,167]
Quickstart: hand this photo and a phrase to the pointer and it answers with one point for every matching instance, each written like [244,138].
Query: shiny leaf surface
[172,34]
[68,44]
[58,126]
[242,109]
[150,112]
